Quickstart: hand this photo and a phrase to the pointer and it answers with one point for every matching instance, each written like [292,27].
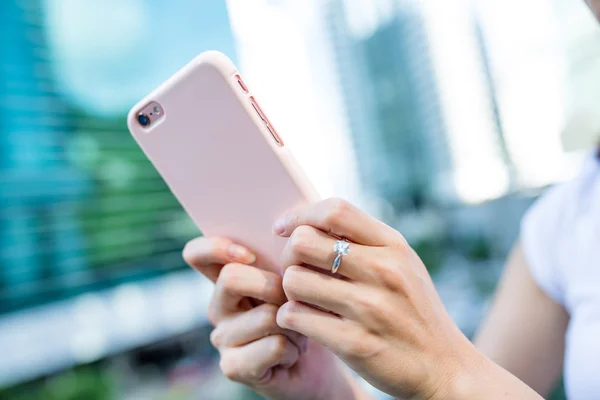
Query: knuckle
[189,253]
[291,281]
[352,347]
[292,220]
[301,241]
[267,319]
[337,211]
[277,346]
[403,249]
[273,287]
[370,304]
[256,375]
[403,243]
[212,314]
[286,317]
[230,276]
[356,347]
[384,272]
[229,368]
[215,338]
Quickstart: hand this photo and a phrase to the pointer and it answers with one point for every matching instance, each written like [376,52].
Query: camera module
[143,119]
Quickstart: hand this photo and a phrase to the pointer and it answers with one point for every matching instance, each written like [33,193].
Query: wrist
[480,378]
[461,381]
[344,386]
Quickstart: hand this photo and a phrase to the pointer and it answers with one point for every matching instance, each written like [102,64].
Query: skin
[525,329]
[255,351]
[381,316]
[385,318]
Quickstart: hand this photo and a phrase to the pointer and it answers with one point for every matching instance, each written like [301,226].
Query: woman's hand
[255,351]
[385,318]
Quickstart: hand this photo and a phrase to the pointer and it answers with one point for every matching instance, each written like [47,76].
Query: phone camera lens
[143,120]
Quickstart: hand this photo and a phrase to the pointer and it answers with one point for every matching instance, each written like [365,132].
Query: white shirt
[560,236]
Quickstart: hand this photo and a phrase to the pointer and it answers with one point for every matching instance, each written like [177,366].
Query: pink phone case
[218,157]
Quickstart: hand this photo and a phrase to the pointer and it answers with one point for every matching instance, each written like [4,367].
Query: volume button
[258,110]
[276,137]
[266,121]
[242,83]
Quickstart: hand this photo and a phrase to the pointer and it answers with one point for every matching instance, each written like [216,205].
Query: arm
[385,318]
[525,330]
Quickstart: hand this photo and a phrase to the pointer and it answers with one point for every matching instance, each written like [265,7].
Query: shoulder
[547,226]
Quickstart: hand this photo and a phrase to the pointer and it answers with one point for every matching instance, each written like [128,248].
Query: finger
[324,328]
[317,289]
[252,325]
[339,218]
[310,246]
[252,364]
[236,282]
[208,255]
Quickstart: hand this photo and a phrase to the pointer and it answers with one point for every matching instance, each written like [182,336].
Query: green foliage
[559,392]
[432,252]
[85,383]
[477,248]
[124,216]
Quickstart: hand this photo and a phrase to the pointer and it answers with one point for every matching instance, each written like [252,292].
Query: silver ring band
[341,248]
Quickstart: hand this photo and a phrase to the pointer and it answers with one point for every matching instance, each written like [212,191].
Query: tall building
[416,101]
[392,104]
[287,60]
[39,236]
[85,220]
[472,136]
[529,65]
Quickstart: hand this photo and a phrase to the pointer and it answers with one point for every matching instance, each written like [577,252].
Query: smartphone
[219,154]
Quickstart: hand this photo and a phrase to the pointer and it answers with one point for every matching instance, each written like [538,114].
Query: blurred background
[445,118]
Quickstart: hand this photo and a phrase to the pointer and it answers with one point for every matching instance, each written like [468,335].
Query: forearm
[484,379]
[525,330]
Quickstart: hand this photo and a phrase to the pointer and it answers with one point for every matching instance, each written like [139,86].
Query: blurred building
[531,68]
[392,104]
[40,236]
[413,109]
[90,236]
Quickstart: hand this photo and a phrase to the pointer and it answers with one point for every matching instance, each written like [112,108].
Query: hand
[382,314]
[255,351]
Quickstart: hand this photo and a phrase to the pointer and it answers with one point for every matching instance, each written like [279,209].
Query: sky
[109,54]
[287,61]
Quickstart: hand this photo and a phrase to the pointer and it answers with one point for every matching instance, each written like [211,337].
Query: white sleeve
[540,240]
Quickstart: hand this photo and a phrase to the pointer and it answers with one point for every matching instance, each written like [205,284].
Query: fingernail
[241,254]
[279,226]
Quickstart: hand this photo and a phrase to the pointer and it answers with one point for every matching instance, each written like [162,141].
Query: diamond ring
[341,248]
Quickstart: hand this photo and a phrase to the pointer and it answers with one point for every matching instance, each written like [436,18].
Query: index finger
[208,255]
[341,219]
[237,282]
